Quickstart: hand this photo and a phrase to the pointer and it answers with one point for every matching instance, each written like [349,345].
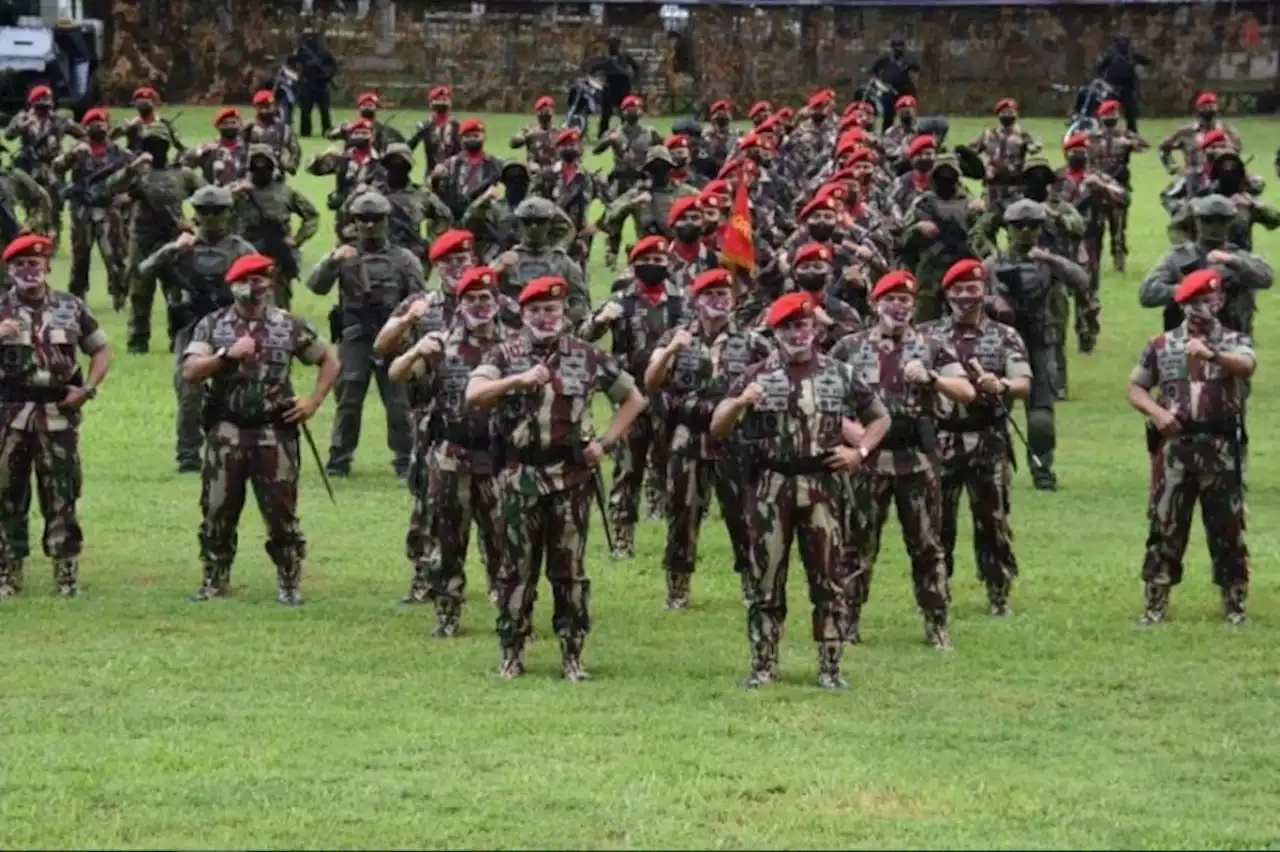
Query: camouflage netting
[213,51]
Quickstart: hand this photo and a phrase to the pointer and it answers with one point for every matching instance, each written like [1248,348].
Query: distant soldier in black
[318,68]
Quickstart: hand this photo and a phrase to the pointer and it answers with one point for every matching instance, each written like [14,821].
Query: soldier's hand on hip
[1166,423]
[343,253]
[75,398]
[752,394]
[681,339]
[243,348]
[593,453]
[9,328]
[915,373]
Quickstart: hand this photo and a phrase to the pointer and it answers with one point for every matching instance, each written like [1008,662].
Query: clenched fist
[752,394]
[535,377]
[681,339]
[609,313]
[8,328]
[915,373]
[418,309]
[243,348]
[344,253]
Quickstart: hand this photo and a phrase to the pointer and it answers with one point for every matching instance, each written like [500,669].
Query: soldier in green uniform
[17,187]
[372,276]
[492,217]
[649,203]
[264,211]
[539,254]
[42,390]
[412,205]
[158,190]
[935,233]
[630,145]
[542,381]
[252,418]
[1023,278]
[191,271]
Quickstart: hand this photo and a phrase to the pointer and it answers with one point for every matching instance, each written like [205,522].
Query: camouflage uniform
[17,186]
[496,226]
[1096,196]
[221,163]
[541,254]
[264,210]
[903,469]
[1201,464]
[1187,140]
[193,281]
[454,482]
[134,129]
[539,144]
[280,138]
[41,143]
[635,335]
[793,496]
[976,455]
[158,193]
[439,139]
[1005,149]
[930,258]
[350,169]
[573,190]
[247,441]
[95,219]
[1109,151]
[37,367]
[412,205]
[647,203]
[548,487]
[463,178]
[384,135]
[370,285]
[630,145]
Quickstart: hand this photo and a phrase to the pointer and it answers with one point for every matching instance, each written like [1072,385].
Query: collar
[146,119]
[441,120]
[655,296]
[919,181]
[360,156]
[568,171]
[97,149]
[229,143]
[475,159]
[687,253]
[1076,175]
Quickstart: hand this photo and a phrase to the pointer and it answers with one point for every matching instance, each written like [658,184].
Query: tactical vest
[1028,283]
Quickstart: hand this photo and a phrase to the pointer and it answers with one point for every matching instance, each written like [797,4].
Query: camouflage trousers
[445,502]
[102,227]
[988,483]
[1116,221]
[142,292]
[918,498]
[641,450]
[1170,508]
[359,367]
[804,510]
[54,458]
[272,469]
[190,397]
[553,526]
[691,481]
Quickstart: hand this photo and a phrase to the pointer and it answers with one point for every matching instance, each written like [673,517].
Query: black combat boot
[998,597]
[829,666]
[935,631]
[677,590]
[66,573]
[448,615]
[571,660]
[419,591]
[189,465]
[1157,595]
[1042,475]
[512,664]
[1233,603]
[288,582]
[624,541]
[764,665]
[216,583]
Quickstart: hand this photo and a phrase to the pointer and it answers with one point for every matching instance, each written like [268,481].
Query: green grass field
[132,718]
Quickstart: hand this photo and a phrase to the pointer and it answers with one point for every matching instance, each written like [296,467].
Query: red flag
[739,241]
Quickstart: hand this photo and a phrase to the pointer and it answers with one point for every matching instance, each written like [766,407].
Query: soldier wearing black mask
[1120,69]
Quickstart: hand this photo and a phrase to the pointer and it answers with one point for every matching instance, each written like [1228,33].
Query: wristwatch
[863,453]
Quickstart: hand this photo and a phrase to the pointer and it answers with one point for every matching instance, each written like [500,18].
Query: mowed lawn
[133,718]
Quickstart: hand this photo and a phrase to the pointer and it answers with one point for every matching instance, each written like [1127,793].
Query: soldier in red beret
[463,178]
[453,478]
[439,135]
[812,271]
[42,390]
[1187,139]
[913,373]
[95,217]
[1191,383]
[1095,194]
[1109,151]
[692,367]
[252,416]
[630,145]
[145,101]
[224,160]
[539,139]
[40,131]
[1005,149]
[897,136]
[542,381]
[268,128]
[689,254]
[973,440]
[367,106]
[793,410]
[718,140]
[572,189]
[356,169]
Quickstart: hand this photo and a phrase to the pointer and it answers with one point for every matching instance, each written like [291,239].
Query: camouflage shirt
[257,389]
[1000,350]
[539,144]
[557,416]
[280,137]
[880,361]
[443,380]
[1194,391]
[439,138]
[41,358]
[220,163]
[1006,149]
[636,332]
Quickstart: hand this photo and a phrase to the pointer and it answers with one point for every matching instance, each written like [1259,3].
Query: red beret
[544,102]
[1214,137]
[1198,283]
[249,264]
[773,122]
[788,307]
[759,107]
[569,136]
[861,154]
[546,288]
[648,244]
[96,114]
[224,114]
[476,278]
[810,252]
[631,101]
[1206,99]
[722,106]
[1076,140]
[730,167]
[39,92]
[841,176]
[681,206]
[899,279]
[440,93]
[677,141]
[851,121]
[836,191]
[905,102]
[715,187]
[1006,103]
[712,278]
[750,141]
[1111,107]
[28,244]
[785,113]
[145,93]
[368,98]
[821,201]
[921,144]
[263,97]
[471,125]
[964,270]
[449,242]
[818,99]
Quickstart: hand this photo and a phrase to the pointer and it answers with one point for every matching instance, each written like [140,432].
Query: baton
[1003,412]
[597,480]
[315,454]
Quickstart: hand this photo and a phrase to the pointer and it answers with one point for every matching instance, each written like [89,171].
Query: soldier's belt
[548,456]
[1218,427]
[807,465]
[911,433]
[215,414]
[14,393]
[466,438]
[979,420]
